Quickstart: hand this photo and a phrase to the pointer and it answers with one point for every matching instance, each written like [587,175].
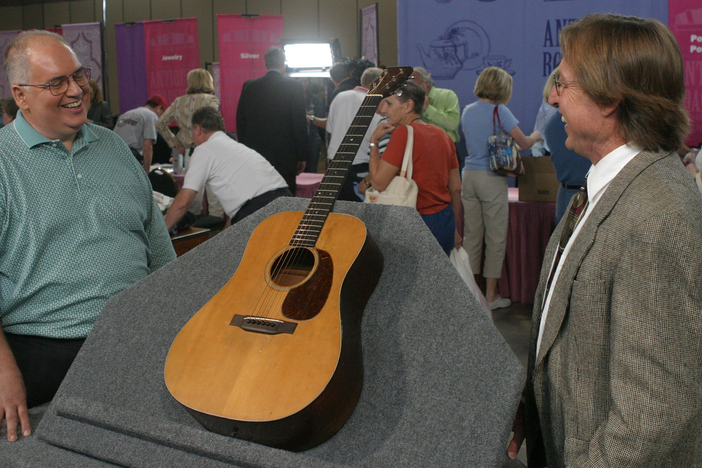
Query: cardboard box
[538,184]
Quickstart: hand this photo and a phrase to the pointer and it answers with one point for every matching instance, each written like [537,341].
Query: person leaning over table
[614,373]
[71,239]
[484,195]
[242,179]
[199,93]
[435,167]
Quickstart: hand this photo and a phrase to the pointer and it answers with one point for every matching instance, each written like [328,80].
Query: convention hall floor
[514,322]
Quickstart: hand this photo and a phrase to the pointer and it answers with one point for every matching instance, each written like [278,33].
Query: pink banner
[216,80]
[172,50]
[242,44]
[685,20]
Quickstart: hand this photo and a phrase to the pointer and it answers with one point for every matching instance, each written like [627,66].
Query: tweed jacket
[618,378]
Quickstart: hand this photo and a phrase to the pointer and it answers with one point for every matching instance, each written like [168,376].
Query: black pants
[347,192]
[43,362]
[291,180]
[256,203]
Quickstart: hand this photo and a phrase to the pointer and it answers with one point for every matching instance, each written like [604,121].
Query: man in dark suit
[615,361]
[271,118]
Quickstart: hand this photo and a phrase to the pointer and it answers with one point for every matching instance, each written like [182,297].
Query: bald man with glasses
[78,223]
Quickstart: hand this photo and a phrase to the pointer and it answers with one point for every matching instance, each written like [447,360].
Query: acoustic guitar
[275,356]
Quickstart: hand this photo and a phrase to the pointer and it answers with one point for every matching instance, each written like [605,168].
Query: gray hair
[424,75]
[209,119]
[16,59]
[370,75]
[409,90]
[274,58]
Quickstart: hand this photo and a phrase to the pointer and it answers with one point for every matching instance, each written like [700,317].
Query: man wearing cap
[78,223]
[137,128]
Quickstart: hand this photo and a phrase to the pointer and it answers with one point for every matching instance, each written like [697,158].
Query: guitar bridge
[267,326]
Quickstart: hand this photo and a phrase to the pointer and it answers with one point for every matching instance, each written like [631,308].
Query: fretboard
[308,230]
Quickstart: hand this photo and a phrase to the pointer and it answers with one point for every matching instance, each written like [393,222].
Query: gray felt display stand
[440,388]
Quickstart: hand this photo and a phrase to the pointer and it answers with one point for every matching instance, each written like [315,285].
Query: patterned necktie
[577,208]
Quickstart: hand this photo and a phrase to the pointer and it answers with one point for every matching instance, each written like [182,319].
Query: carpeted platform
[440,385]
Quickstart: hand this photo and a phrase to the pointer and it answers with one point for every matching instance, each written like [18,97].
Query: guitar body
[275,356]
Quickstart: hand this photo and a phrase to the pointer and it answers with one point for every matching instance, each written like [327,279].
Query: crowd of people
[615,362]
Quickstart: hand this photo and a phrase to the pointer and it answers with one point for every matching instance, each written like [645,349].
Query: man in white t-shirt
[137,128]
[243,180]
[341,113]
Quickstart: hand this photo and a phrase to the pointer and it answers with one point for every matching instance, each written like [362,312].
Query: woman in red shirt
[434,159]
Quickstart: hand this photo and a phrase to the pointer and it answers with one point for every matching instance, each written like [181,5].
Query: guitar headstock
[390,80]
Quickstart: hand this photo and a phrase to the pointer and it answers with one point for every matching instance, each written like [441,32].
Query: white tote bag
[402,190]
[460,260]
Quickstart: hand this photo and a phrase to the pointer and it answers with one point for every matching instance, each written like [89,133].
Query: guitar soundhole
[292,267]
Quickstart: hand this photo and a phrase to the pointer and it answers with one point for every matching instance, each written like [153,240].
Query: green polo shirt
[443,111]
[76,228]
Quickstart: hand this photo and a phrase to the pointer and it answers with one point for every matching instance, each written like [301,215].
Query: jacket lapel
[581,245]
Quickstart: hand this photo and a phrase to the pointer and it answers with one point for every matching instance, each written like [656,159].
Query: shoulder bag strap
[407,160]
[495,113]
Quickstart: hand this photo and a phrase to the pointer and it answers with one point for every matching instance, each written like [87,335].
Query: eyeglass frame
[64,79]
[560,83]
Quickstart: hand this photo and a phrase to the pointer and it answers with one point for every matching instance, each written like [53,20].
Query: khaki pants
[486,215]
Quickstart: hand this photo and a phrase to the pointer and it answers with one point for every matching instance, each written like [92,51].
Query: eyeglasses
[560,84]
[59,85]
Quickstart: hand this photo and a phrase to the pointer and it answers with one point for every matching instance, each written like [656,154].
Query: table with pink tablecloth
[307,183]
[530,226]
[179,179]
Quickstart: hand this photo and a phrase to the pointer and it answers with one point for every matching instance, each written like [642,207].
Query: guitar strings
[309,229]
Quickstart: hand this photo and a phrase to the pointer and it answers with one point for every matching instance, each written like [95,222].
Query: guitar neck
[324,198]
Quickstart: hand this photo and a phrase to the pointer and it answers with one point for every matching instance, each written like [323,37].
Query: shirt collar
[32,138]
[602,173]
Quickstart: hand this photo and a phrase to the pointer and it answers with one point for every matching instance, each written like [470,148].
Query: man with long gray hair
[615,361]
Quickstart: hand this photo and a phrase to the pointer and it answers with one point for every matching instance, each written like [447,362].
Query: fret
[323,200]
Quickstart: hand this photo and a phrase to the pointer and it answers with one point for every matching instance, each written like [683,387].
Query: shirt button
[53,145]
[79,176]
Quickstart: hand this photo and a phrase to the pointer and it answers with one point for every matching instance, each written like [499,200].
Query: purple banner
[460,38]
[86,41]
[5,38]
[131,65]
[369,34]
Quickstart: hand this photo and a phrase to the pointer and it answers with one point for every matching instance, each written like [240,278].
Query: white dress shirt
[598,179]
